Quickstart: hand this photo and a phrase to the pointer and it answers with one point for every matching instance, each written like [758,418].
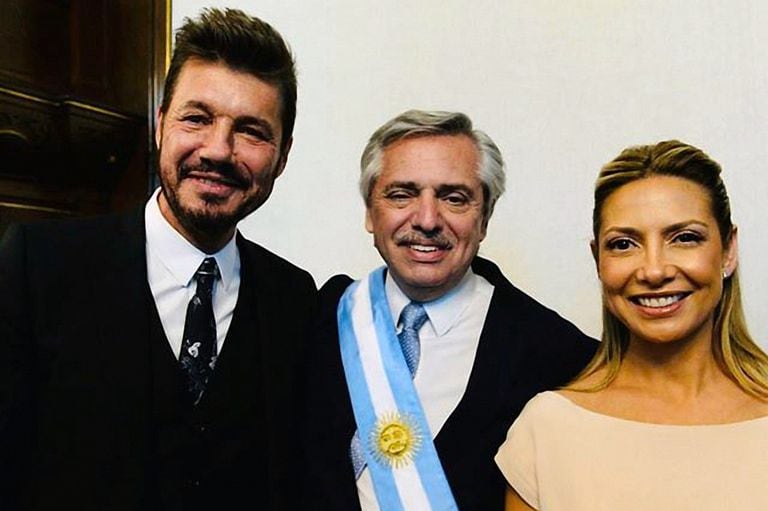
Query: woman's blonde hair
[733,348]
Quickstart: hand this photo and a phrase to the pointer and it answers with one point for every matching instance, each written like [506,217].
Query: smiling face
[426,212]
[661,260]
[219,146]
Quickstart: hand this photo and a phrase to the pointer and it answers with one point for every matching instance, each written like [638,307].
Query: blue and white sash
[393,429]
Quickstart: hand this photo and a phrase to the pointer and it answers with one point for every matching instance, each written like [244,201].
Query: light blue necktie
[412,318]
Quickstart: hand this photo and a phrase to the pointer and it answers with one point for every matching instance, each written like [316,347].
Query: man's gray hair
[420,123]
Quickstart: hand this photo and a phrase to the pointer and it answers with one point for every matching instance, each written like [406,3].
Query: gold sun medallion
[395,440]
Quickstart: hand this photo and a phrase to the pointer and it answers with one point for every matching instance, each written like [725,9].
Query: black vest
[207,457]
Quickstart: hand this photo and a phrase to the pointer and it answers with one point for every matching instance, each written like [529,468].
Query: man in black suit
[150,360]
[483,347]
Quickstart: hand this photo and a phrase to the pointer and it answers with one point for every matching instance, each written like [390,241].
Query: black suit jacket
[92,410]
[524,349]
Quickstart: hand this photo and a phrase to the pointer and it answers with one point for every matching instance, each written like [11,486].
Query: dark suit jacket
[92,409]
[524,349]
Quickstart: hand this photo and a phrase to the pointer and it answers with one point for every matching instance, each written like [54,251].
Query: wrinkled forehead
[432,159]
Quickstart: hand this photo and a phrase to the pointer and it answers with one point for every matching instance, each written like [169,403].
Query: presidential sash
[393,429]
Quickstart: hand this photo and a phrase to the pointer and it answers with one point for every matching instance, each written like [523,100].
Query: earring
[725,274]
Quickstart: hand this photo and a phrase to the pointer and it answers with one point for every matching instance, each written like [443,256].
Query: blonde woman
[672,413]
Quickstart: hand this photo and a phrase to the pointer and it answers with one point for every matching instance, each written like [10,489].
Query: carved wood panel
[78,82]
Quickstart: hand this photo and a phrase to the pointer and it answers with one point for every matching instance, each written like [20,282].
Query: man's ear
[368,220]
[158,128]
[284,157]
[484,228]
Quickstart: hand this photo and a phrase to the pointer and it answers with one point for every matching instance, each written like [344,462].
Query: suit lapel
[234,383]
[276,336]
[489,381]
[264,290]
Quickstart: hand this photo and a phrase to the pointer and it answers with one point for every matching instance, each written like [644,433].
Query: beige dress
[561,457]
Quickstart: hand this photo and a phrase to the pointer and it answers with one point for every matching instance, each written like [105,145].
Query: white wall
[562,86]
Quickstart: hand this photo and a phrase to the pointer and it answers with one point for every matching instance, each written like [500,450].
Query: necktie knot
[413,317]
[205,275]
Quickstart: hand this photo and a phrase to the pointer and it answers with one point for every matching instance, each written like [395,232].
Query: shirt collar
[444,312]
[179,256]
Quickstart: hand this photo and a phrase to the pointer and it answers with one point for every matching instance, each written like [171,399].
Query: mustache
[413,238]
[224,172]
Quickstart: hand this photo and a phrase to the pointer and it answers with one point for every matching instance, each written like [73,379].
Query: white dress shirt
[448,340]
[171,265]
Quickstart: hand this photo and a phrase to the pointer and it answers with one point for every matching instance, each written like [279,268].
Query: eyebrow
[249,120]
[450,188]
[244,120]
[196,104]
[440,190]
[669,229]
[409,185]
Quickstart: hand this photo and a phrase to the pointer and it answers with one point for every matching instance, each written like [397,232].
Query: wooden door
[79,83]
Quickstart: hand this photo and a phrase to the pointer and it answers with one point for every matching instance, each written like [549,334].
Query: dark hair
[244,43]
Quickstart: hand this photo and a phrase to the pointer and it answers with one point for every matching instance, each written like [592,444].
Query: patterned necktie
[412,318]
[198,346]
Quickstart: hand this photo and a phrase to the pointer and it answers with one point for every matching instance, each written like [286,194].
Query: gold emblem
[395,440]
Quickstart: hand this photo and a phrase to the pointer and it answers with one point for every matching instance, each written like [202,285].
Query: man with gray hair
[419,369]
